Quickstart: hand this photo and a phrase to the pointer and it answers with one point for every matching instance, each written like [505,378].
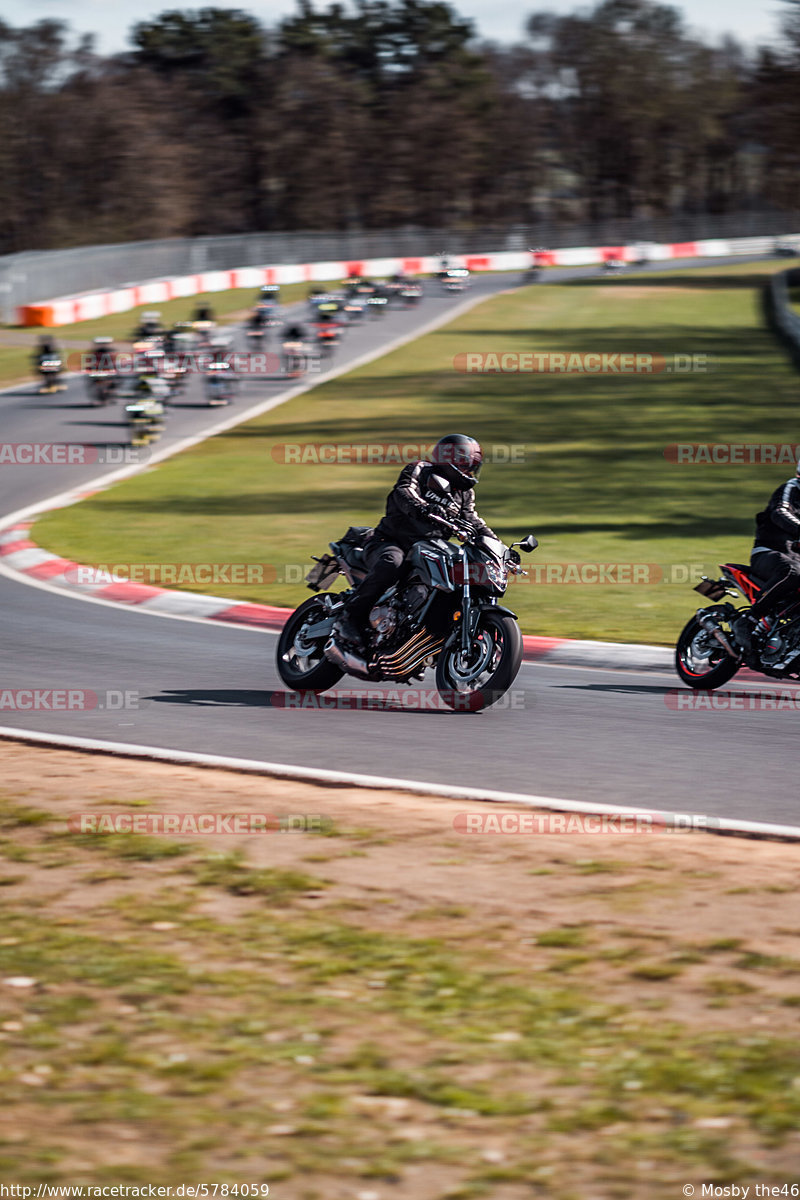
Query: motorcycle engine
[773,650]
[383,619]
[782,650]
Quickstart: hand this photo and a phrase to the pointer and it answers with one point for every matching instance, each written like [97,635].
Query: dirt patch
[383,1005]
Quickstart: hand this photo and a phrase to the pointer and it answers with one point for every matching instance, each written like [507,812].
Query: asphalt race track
[615,737]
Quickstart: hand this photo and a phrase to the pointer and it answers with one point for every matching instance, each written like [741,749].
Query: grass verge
[226,1014]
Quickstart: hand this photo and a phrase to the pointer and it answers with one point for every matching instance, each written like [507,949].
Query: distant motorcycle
[101,386]
[378,303]
[145,418]
[708,653]
[410,294]
[220,383]
[204,331]
[50,367]
[455,279]
[294,358]
[327,339]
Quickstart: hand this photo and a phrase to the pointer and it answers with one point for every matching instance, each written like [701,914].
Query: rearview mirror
[529,543]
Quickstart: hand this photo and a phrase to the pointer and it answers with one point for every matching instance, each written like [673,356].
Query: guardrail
[782,318]
[31,276]
[66,310]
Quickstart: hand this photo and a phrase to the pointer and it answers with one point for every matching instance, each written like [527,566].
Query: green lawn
[15,364]
[595,485]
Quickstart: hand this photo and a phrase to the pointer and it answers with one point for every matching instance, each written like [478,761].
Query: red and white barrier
[66,310]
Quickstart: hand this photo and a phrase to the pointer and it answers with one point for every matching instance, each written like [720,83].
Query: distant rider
[47,348]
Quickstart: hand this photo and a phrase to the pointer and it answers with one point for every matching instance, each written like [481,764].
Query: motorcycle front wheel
[479,678]
[301,663]
[701,662]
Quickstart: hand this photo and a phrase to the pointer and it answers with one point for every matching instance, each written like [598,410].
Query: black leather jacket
[408,508]
[778,526]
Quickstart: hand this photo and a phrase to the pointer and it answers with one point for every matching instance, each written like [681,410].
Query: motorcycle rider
[221,379]
[775,557]
[294,347]
[410,518]
[204,312]
[149,326]
[295,332]
[103,355]
[47,348]
[48,351]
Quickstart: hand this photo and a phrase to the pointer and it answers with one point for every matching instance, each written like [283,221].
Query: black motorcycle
[708,653]
[50,368]
[101,386]
[444,612]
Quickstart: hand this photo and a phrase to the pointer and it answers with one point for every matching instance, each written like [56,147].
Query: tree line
[388,113]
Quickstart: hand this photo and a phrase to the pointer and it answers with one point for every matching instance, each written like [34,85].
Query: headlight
[491,575]
[497,576]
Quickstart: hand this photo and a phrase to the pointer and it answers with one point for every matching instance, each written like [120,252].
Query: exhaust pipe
[351,664]
[706,622]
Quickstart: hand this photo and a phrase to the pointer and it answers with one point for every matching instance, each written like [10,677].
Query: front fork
[469,615]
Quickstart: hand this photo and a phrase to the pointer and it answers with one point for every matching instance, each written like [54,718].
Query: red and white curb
[23,557]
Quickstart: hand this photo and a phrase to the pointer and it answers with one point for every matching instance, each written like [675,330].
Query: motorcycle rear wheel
[299,671]
[701,662]
[489,671]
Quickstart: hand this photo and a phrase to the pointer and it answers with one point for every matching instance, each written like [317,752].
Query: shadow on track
[215,698]
[624,689]
[294,701]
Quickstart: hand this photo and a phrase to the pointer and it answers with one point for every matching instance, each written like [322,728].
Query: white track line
[380,782]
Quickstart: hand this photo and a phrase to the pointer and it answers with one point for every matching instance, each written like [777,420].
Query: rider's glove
[441,522]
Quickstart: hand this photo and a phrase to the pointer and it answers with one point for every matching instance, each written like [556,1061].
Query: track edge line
[327,778]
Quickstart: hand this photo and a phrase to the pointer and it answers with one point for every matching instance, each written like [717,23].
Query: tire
[460,687]
[696,647]
[319,674]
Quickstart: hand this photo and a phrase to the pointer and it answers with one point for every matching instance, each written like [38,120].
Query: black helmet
[461,457]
